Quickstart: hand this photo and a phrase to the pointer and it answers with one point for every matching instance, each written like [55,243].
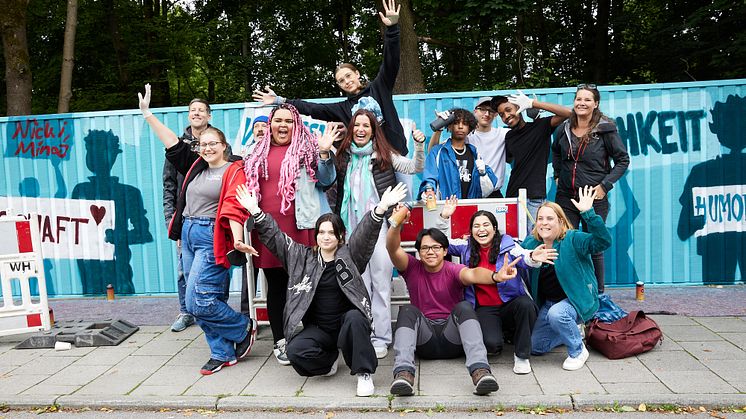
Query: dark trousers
[276,292]
[515,319]
[601,206]
[313,351]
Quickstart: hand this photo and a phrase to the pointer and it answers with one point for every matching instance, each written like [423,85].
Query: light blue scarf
[358,185]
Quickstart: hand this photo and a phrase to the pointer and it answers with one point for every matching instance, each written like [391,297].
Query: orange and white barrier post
[21,260]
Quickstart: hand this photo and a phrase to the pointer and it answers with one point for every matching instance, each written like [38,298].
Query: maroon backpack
[628,336]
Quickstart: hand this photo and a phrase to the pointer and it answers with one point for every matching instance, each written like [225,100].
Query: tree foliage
[222,50]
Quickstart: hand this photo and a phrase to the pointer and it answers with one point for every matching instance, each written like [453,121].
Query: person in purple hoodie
[505,308]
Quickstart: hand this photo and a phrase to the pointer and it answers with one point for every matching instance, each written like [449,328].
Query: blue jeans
[556,325]
[532,205]
[206,290]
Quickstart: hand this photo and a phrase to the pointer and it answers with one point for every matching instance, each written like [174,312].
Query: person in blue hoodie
[505,308]
[455,167]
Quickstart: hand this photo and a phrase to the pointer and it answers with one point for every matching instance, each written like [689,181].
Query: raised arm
[599,238]
[332,112]
[391,44]
[507,271]
[393,246]
[524,102]
[167,137]
[415,165]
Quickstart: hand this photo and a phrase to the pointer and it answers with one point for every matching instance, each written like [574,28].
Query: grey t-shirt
[203,193]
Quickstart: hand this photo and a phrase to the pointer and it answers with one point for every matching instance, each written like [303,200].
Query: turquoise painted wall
[678,216]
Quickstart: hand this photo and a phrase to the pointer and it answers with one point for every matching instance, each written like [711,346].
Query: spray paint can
[640,291]
[109,292]
[399,215]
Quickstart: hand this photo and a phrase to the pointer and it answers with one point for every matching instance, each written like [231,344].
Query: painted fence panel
[95,180]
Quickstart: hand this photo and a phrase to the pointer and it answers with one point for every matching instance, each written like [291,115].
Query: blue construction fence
[678,216]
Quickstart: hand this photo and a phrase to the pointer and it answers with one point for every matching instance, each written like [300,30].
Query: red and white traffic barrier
[21,260]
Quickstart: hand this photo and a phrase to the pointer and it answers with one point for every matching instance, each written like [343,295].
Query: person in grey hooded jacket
[326,290]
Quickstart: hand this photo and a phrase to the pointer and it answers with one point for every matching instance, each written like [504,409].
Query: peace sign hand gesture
[508,271]
[390,14]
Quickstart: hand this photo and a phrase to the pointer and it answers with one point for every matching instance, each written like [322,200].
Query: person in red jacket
[209,221]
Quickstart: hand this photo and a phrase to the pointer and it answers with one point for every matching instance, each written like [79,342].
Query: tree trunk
[17,60]
[120,48]
[68,57]
[157,65]
[409,79]
[600,49]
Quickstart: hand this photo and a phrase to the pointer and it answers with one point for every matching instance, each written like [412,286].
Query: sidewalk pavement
[701,362]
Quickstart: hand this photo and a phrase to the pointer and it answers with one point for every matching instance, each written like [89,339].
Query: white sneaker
[280,351]
[365,386]
[381,351]
[521,366]
[333,370]
[572,364]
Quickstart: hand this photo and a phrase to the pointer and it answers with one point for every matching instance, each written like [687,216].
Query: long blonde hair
[565,224]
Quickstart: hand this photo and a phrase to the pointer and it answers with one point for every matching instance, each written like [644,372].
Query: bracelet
[493,277]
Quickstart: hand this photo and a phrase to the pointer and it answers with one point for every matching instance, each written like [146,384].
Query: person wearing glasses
[489,140]
[527,147]
[348,78]
[209,222]
[456,167]
[582,155]
[439,323]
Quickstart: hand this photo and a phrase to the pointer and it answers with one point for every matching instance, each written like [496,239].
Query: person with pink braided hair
[288,169]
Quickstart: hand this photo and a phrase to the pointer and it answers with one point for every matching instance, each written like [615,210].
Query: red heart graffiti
[98,213]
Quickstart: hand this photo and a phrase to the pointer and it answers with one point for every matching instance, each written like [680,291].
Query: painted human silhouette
[130,225]
[623,270]
[718,217]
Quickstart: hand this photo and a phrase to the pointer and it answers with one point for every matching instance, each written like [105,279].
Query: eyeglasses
[211,144]
[435,248]
[587,86]
[485,110]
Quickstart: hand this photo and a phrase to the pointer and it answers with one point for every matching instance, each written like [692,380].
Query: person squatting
[319,206]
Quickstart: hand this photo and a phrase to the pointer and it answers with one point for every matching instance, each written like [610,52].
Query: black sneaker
[244,347]
[403,384]
[213,366]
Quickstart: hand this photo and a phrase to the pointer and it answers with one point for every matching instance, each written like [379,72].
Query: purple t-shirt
[434,293]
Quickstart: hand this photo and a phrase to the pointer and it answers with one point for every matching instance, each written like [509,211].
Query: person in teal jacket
[566,291]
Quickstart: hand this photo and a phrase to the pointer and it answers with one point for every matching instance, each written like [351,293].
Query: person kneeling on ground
[326,290]
[566,292]
[439,324]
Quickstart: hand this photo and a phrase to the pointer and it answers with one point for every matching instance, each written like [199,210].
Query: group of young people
[317,206]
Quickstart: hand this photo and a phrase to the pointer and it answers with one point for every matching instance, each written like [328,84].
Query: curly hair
[464,116]
[303,151]
[474,246]
[381,145]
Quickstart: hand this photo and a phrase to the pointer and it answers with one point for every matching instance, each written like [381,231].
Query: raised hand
[443,114]
[508,271]
[586,196]
[145,102]
[267,97]
[544,255]
[418,136]
[522,101]
[449,207]
[331,134]
[390,14]
[391,197]
[248,199]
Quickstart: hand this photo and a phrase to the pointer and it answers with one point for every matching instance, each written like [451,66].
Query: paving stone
[45,365]
[125,376]
[728,369]
[554,381]
[707,400]
[344,385]
[74,351]
[106,355]
[229,381]
[694,333]
[515,385]
[301,404]
[161,347]
[722,324]
[177,377]
[78,375]
[738,339]
[154,329]
[636,388]
[19,357]
[285,381]
[705,351]
[44,388]
[664,320]
[14,384]
[137,340]
[658,361]
[190,357]
[739,385]
[695,382]
[190,333]
[443,367]
[666,344]
[629,370]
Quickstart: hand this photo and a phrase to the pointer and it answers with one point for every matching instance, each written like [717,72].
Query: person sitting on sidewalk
[326,290]
[455,167]
[566,292]
[439,324]
[506,307]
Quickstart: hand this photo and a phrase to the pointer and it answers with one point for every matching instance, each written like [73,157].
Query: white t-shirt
[491,148]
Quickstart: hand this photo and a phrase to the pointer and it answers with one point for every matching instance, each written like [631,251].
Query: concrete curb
[706,400]
[301,403]
[22,401]
[495,402]
[138,402]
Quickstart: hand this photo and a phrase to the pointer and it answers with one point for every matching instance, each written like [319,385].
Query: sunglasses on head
[587,86]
